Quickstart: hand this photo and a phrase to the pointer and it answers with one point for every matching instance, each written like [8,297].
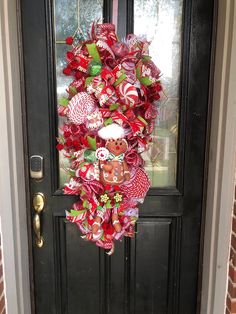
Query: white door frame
[12,182]
[220,191]
[221,165]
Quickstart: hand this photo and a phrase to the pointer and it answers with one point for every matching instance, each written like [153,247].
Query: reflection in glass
[160,21]
[69,16]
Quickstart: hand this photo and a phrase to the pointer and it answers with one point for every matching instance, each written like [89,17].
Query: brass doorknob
[38,204]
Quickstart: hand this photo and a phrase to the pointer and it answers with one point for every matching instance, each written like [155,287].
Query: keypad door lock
[36,167]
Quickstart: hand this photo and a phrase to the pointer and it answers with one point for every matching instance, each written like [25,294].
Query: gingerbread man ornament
[113,167]
[114,170]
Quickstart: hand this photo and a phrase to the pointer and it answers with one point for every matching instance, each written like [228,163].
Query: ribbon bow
[116,158]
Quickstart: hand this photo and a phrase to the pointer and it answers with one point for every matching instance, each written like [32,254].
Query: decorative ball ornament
[109,116]
[128,94]
[137,186]
[79,107]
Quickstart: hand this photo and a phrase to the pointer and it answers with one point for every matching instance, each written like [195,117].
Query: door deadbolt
[36,167]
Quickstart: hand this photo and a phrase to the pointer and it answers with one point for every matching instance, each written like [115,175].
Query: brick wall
[231,293]
[2,298]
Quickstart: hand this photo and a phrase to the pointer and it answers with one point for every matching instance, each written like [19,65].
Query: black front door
[158,270]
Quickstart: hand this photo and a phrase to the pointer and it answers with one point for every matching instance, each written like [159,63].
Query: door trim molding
[12,187]
[221,165]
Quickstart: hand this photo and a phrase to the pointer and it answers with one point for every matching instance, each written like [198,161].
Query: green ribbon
[76,213]
[142,120]
[63,102]
[93,51]
[92,142]
[88,80]
[89,155]
[120,79]
[143,80]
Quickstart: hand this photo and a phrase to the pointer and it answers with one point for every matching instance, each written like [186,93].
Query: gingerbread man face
[117,147]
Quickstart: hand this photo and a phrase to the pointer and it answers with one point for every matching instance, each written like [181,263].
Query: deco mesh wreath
[109,118]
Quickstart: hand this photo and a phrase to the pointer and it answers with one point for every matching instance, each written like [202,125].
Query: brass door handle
[38,204]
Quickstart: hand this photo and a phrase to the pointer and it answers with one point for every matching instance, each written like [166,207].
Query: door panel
[80,266]
[151,280]
[157,271]
[137,277]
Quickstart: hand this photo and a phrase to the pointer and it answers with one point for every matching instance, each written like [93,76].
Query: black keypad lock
[36,167]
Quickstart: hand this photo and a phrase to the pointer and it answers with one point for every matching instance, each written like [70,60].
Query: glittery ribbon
[93,187]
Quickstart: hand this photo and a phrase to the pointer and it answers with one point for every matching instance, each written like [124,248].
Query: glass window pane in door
[161,22]
[69,17]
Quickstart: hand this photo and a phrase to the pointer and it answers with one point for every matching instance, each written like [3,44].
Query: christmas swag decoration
[109,118]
